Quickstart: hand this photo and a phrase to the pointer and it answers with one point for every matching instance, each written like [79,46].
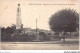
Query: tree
[65,20]
[6,32]
[11,29]
[2,29]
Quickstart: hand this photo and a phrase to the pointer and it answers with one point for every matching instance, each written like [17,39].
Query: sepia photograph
[39,24]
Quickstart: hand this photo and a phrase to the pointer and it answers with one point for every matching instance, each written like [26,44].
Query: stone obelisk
[18,19]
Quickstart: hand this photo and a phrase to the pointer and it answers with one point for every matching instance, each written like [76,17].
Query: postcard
[39,24]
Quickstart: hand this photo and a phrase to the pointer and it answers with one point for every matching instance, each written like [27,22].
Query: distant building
[27,30]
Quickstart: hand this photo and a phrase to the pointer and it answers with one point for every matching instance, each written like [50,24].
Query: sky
[32,9]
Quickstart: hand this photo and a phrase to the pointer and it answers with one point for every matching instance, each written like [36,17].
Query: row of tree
[6,32]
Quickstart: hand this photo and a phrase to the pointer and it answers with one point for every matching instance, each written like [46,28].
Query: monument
[18,19]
